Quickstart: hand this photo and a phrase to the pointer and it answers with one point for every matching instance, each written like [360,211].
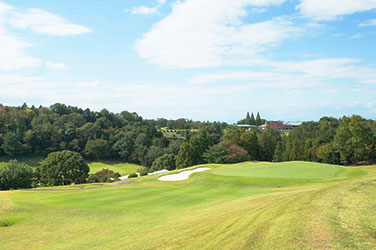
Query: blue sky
[198,59]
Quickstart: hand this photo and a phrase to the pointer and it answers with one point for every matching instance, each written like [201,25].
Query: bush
[143,172]
[236,154]
[63,168]
[166,161]
[132,175]
[15,175]
[107,175]
[93,178]
[226,152]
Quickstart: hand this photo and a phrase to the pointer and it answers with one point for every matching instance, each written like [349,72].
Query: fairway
[249,205]
[122,168]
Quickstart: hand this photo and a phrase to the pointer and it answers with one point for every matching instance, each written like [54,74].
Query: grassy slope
[288,205]
[117,166]
[122,168]
[31,161]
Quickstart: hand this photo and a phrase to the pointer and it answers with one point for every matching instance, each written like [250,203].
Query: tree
[97,149]
[123,147]
[323,153]
[153,153]
[249,142]
[252,120]
[215,154]
[268,140]
[247,119]
[166,161]
[354,140]
[15,176]
[63,168]
[258,119]
[233,134]
[199,144]
[279,153]
[186,157]
[11,144]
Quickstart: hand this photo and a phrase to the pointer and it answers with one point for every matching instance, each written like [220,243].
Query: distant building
[246,126]
[279,125]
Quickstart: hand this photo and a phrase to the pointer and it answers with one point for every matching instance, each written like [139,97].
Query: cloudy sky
[199,59]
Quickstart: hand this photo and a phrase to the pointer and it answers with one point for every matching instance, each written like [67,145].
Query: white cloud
[161,2]
[296,75]
[356,36]
[90,84]
[181,40]
[43,22]
[331,9]
[12,48]
[55,65]
[144,10]
[5,8]
[367,23]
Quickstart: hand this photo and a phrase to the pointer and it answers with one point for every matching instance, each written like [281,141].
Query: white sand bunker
[182,175]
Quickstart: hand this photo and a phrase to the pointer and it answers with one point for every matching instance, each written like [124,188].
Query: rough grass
[287,206]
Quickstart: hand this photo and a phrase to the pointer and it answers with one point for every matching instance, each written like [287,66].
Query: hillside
[248,205]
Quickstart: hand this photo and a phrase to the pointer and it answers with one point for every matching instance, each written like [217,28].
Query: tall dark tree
[268,141]
[249,142]
[247,119]
[258,119]
[186,157]
[12,145]
[252,120]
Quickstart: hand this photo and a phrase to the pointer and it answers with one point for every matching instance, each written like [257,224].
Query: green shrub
[15,175]
[107,175]
[93,178]
[143,173]
[132,175]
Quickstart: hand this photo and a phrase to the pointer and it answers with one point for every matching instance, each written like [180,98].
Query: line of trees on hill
[102,135]
[95,135]
[251,120]
[346,141]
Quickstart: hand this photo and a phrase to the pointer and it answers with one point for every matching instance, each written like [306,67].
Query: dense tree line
[95,135]
[67,134]
[346,141]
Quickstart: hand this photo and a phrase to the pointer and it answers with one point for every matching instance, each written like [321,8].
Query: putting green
[290,170]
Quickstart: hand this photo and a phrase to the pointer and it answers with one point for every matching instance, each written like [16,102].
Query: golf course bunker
[182,175]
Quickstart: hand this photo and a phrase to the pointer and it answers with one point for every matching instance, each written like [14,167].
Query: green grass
[294,205]
[122,168]
[95,166]
[31,161]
